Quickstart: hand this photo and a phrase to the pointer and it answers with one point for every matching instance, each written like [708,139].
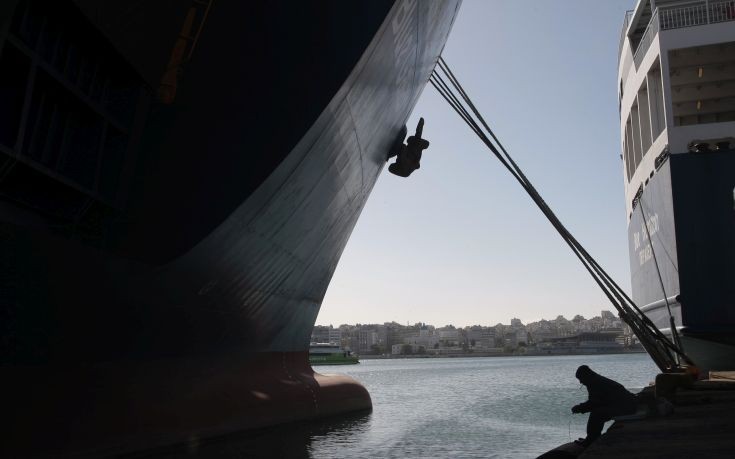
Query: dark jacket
[604,392]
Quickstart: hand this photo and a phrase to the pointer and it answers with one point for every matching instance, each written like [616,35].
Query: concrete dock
[702,425]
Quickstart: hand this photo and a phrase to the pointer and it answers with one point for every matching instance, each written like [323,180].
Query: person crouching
[606,399]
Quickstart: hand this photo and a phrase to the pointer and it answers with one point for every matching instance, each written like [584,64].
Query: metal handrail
[647,39]
[686,16]
[624,31]
[721,11]
[668,18]
[701,13]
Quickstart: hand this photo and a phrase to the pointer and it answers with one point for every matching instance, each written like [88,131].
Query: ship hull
[688,209]
[121,407]
[191,316]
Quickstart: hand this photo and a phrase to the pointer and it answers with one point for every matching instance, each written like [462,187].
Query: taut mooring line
[661,349]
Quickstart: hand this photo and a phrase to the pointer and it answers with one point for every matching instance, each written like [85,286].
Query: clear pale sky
[459,241]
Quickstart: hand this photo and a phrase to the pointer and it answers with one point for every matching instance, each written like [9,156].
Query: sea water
[490,407]
[501,407]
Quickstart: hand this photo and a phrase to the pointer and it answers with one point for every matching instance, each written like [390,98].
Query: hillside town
[605,333]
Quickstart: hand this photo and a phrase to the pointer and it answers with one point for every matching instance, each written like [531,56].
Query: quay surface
[702,425]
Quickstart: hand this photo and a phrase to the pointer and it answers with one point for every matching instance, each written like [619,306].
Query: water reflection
[507,407]
[296,440]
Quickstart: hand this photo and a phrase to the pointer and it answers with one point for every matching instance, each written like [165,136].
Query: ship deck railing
[677,17]
[624,31]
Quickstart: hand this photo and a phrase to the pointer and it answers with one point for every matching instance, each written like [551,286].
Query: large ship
[178,180]
[676,86]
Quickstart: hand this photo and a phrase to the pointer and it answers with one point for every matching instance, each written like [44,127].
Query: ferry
[330,354]
[676,88]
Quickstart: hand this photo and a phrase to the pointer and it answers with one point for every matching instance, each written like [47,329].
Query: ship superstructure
[676,87]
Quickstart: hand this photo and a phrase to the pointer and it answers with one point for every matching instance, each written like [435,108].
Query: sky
[459,242]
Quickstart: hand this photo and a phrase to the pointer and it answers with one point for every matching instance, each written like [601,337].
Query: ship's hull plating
[108,347]
[689,210]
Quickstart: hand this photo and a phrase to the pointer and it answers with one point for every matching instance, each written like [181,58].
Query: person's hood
[585,374]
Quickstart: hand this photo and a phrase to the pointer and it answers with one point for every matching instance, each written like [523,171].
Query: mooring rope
[659,347]
[672,321]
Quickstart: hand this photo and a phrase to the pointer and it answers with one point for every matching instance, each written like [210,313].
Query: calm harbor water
[500,407]
[472,407]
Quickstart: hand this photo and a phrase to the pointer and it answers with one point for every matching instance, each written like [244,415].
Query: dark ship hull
[689,205]
[177,183]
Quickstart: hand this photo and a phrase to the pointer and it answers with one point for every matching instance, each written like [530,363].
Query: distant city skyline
[507,321]
[600,334]
[459,241]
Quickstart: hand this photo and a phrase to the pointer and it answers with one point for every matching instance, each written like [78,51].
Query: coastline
[488,354]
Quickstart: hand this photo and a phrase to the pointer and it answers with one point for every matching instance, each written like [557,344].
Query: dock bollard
[667,383]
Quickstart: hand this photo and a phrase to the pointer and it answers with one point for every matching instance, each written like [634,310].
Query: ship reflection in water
[297,440]
[442,407]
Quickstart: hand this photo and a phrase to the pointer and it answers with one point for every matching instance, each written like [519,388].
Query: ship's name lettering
[645,254]
[641,243]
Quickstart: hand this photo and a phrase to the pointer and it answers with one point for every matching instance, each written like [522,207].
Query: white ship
[676,84]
